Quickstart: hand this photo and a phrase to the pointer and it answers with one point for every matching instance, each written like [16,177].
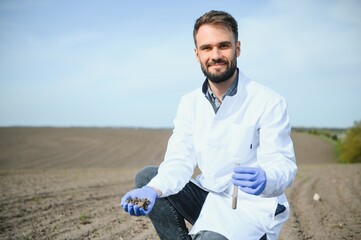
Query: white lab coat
[251,128]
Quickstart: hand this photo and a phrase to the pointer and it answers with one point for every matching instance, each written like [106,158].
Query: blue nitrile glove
[144,192]
[249,179]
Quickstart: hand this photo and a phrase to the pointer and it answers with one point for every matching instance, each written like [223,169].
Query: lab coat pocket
[243,142]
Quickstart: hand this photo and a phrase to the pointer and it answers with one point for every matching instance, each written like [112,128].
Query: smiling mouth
[217,66]
[219,63]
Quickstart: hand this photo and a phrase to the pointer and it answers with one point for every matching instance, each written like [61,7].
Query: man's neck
[219,89]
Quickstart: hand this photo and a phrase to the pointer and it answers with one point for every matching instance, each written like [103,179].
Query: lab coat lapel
[231,104]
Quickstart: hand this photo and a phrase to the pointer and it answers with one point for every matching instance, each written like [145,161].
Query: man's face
[217,52]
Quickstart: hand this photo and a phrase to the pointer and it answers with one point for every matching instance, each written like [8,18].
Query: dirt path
[337,215]
[67,183]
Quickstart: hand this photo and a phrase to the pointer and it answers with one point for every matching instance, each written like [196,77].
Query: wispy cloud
[84,63]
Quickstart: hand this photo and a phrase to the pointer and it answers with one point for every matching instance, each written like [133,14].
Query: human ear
[197,54]
[238,48]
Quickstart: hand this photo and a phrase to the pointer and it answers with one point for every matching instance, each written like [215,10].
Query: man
[230,120]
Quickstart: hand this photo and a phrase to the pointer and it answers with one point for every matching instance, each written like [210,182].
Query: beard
[223,76]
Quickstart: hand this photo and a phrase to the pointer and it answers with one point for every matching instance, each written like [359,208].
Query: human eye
[206,48]
[224,45]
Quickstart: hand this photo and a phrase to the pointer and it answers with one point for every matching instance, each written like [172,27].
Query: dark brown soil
[141,202]
[66,183]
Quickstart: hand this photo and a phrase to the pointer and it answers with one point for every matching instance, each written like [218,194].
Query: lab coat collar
[231,104]
[205,86]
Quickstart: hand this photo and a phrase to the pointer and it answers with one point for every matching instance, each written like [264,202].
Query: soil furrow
[66,183]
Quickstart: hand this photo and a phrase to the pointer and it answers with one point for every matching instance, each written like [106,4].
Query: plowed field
[66,183]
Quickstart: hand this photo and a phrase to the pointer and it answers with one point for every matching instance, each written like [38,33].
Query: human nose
[216,54]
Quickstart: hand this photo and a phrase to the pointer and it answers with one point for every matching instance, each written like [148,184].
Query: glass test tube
[235,191]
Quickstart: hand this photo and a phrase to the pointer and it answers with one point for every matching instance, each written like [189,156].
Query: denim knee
[208,235]
[144,176]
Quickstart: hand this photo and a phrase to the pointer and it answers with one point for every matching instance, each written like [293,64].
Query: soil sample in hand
[141,202]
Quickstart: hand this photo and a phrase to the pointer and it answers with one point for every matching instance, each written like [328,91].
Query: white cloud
[301,37]
[308,51]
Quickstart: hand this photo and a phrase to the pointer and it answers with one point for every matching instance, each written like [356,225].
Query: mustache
[214,62]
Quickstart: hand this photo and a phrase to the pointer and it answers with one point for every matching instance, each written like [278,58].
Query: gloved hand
[144,192]
[249,179]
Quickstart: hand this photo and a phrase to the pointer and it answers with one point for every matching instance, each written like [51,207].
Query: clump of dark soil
[141,202]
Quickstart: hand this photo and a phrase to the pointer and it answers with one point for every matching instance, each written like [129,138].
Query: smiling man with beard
[238,133]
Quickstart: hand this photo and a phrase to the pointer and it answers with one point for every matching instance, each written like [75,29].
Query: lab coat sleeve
[180,158]
[275,153]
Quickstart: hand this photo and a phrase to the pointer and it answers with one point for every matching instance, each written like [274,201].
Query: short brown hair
[217,17]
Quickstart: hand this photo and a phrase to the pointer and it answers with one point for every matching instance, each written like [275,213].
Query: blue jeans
[169,213]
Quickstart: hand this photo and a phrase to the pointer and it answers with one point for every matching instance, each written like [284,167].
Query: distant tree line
[347,142]
[333,134]
[349,148]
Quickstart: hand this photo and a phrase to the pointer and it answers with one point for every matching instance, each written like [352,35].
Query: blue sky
[127,63]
